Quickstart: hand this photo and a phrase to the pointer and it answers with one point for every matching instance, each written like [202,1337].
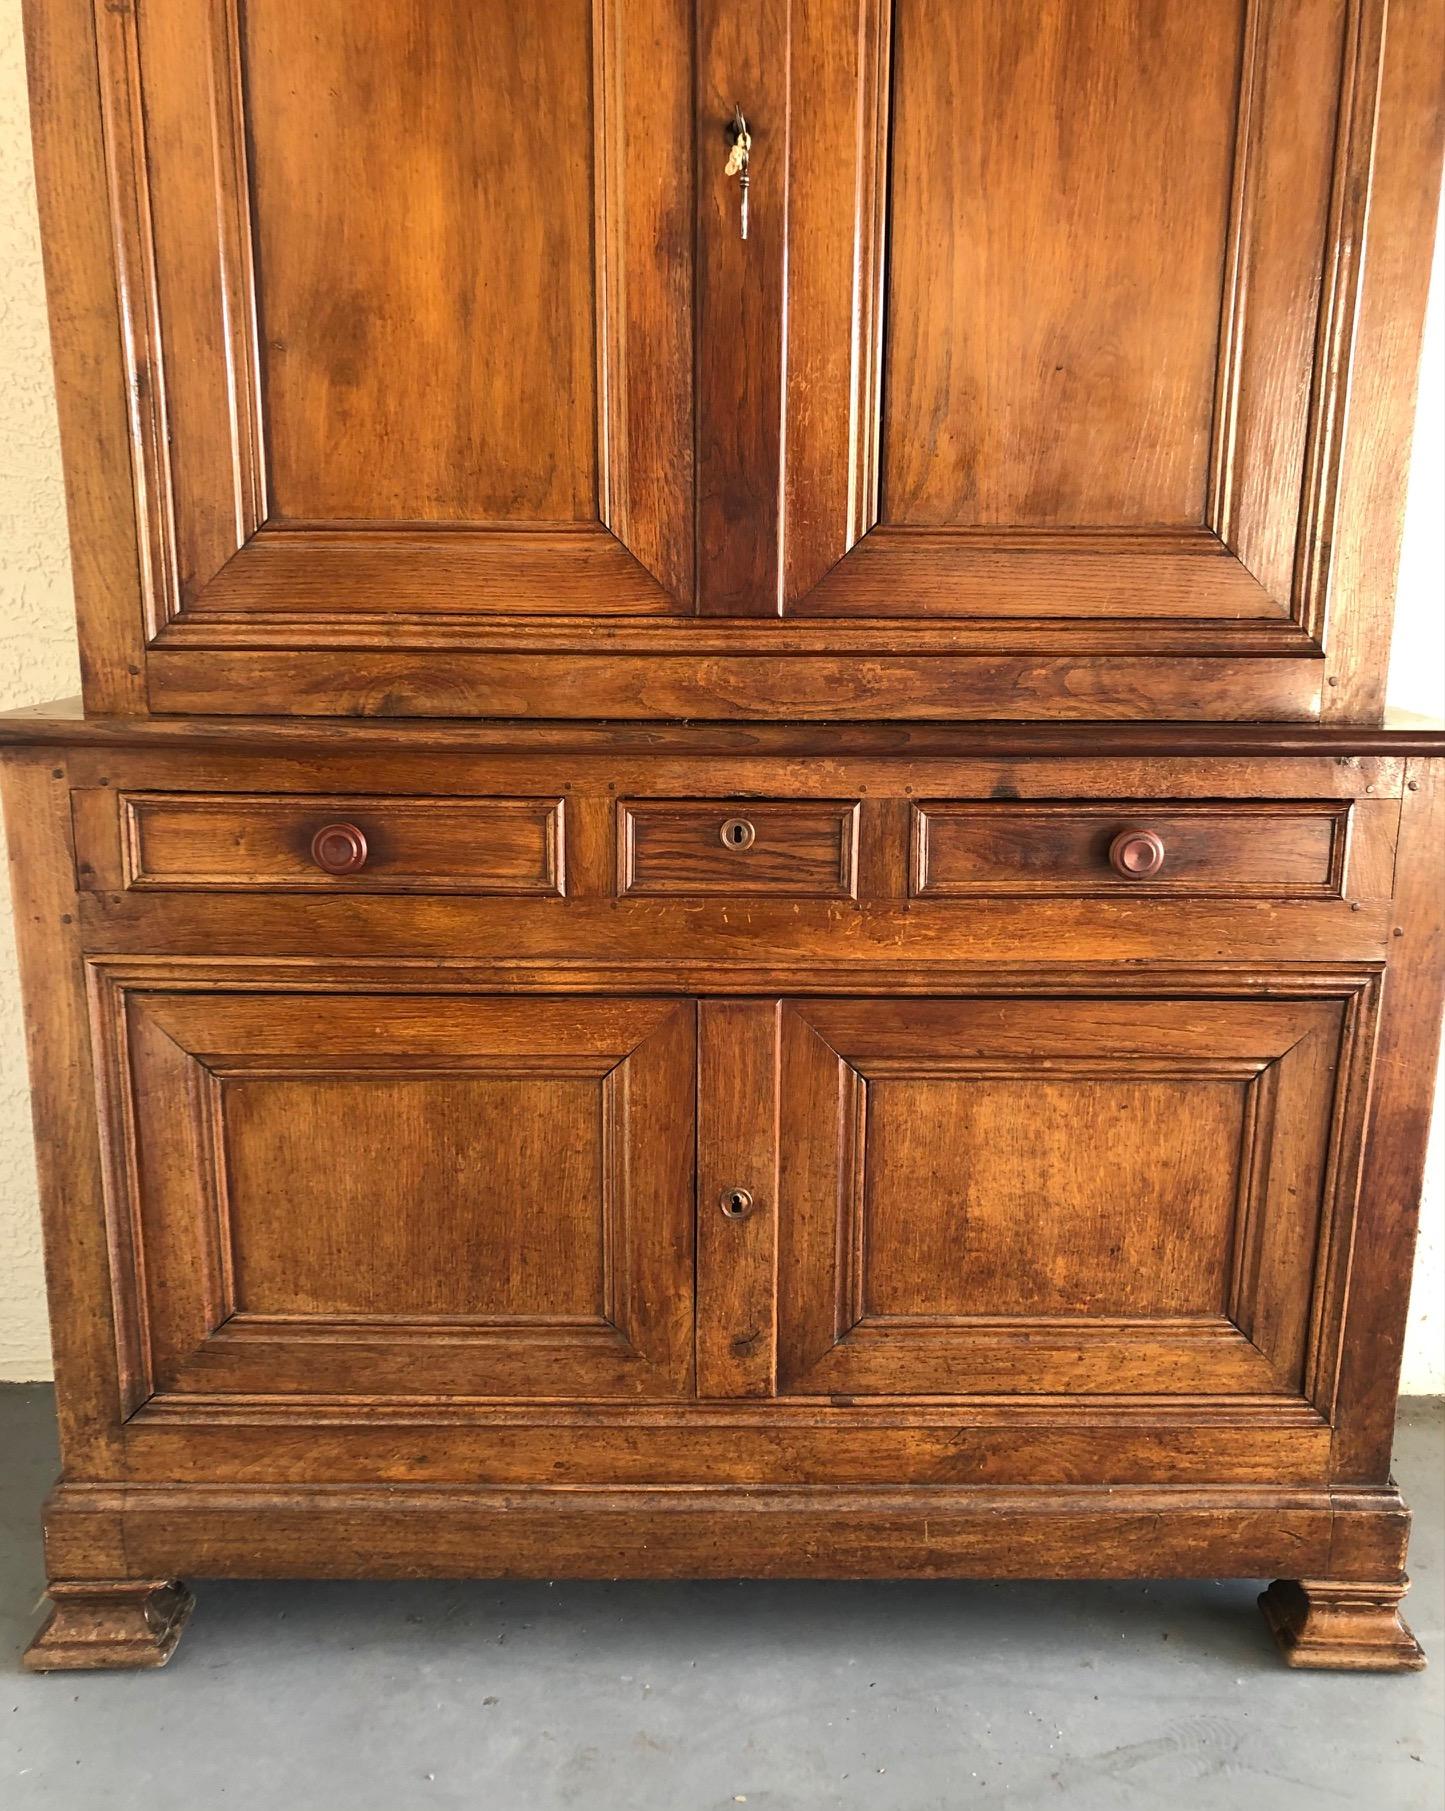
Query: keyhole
[738,833]
[736,1203]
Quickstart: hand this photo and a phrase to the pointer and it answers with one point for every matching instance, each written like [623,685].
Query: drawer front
[1294,849]
[195,841]
[804,849]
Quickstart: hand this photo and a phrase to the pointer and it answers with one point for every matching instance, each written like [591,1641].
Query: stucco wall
[37,657]
[37,661]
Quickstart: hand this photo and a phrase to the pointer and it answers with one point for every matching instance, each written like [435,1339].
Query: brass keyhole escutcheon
[737,833]
[736,1203]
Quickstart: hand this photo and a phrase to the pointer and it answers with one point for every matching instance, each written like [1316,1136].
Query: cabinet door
[407,306]
[1070,303]
[1059,1197]
[401,1195]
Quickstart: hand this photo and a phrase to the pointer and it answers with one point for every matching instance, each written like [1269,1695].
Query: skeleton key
[738,159]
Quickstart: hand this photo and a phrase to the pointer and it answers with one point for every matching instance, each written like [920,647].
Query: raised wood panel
[1100,1197]
[402,1196]
[1033,378]
[977,1201]
[1117,344]
[391,1196]
[425,244]
[398,333]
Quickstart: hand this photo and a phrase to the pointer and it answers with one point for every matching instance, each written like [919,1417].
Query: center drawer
[803,848]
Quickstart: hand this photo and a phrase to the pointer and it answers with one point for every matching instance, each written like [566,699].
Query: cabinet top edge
[65,722]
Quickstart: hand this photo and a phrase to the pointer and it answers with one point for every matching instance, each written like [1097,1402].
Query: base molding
[1342,1625]
[110,1623]
[414,1530]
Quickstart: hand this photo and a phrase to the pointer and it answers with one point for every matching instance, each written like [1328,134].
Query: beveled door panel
[1105,261]
[1042,1197]
[407,306]
[401,1195]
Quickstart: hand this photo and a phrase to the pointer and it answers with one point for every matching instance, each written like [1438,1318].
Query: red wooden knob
[1136,854]
[339,849]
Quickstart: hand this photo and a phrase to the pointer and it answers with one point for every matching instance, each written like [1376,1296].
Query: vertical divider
[742,62]
[737,1253]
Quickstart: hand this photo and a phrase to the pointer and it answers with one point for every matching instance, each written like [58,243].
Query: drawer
[800,848]
[1291,849]
[179,842]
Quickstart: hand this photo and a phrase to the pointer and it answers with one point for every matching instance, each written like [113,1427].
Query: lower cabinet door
[403,1194]
[1058,1196]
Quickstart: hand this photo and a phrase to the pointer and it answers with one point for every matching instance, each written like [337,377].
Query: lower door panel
[1074,1197]
[400,1195]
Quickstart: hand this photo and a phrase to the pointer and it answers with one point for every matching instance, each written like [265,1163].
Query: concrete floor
[641,1697]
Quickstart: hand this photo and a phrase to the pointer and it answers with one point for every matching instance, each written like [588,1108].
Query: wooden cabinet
[730,898]
[1055,376]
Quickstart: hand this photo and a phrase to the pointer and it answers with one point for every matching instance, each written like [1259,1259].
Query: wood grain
[1031,380]
[676,848]
[1254,851]
[182,841]
[814,686]
[737,1302]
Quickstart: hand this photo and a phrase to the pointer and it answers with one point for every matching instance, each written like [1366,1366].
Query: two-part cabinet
[728,899]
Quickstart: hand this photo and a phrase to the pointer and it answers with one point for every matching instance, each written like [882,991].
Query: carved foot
[1351,1627]
[110,1623]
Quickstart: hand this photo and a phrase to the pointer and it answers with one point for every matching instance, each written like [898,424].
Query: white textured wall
[37,661]
[37,657]
[1417,683]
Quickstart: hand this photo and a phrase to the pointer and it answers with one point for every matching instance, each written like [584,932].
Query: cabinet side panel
[90,380]
[68,1157]
[1399,1127]
[1385,358]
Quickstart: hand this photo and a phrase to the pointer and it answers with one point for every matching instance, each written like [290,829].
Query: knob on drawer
[1136,854]
[339,849]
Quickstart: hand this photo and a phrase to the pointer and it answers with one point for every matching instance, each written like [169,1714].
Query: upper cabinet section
[648,358]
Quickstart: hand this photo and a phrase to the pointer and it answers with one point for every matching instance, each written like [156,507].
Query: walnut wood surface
[105,1624]
[1341,1626]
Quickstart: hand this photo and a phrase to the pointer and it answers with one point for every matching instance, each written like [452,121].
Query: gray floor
[631,1697]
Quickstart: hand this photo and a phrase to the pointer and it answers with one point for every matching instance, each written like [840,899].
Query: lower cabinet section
[421,1195]
[822,1163]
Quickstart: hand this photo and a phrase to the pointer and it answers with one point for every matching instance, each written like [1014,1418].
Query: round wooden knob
[1136,854]
[737,833]
[339,849]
